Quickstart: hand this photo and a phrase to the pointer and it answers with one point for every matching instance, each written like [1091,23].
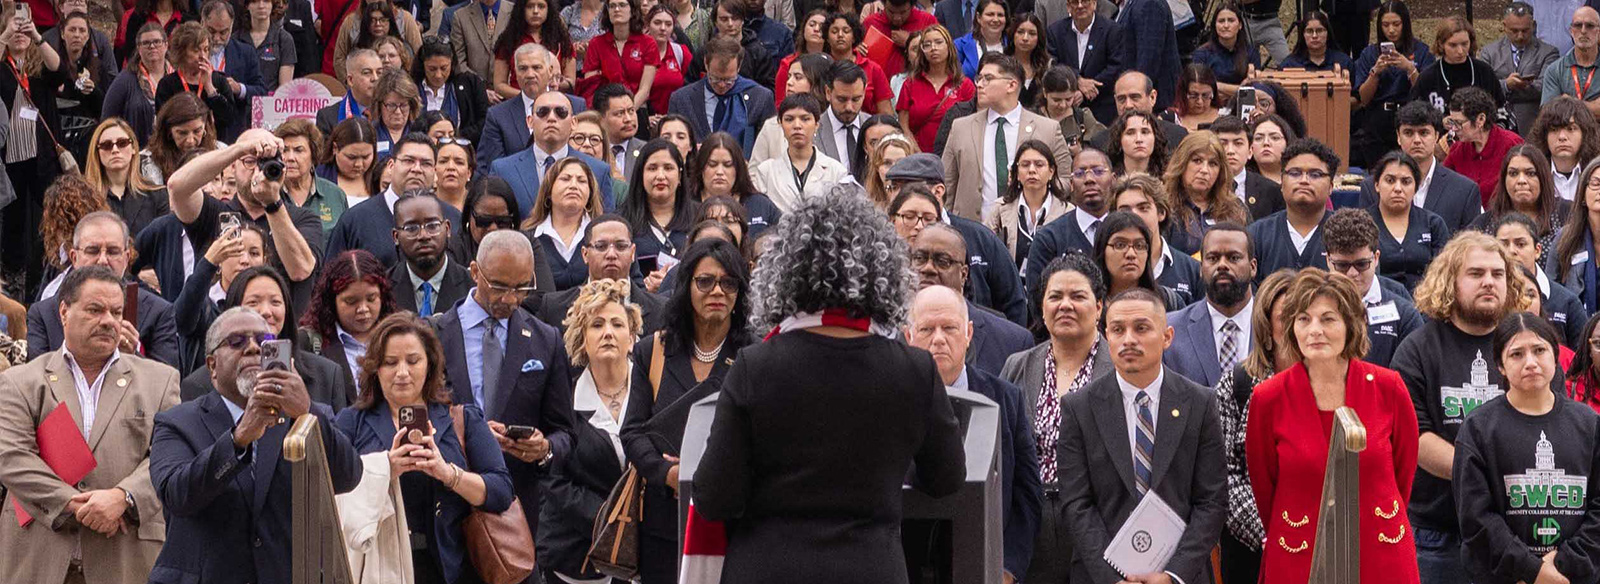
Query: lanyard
[148,79]
[800,178]
[1472,81]
[185,81]
[21,79]
[1587,81]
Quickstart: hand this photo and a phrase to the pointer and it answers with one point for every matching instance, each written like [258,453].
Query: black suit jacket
[228,517]
[160,247]
[553,308]
[1451,196]
[157,330]
[1262,196]
[994,339]
[326,381]
[574,492]
[535,389]
[472,102]
[1056,239]
[1187,471]
[1103,61]
[457,281]
[370,226]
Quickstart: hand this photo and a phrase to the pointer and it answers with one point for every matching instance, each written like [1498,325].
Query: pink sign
[300,98]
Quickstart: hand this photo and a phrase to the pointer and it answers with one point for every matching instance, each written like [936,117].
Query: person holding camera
[296,232]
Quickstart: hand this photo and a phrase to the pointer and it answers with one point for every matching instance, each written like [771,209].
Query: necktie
[1000,158]
[493,354]
[849,143]
[427,299]
[1094,227]
[619,153]
[1145,442]
[721,116]
[1230,346]
[548,162]
[1516,57]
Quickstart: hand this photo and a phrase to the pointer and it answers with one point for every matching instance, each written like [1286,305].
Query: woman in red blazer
[1291,420]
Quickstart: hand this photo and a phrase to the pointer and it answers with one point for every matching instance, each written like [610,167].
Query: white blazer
[374,520]
[776,178]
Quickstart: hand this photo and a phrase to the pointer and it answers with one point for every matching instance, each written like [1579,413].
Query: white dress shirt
[89,392]
[840,136]
[1298,240]
[1374,295]
[991,191]
[1238,187]
[1566,186]
[548,227]
[960,384]
[1087,223]
[390,198]
[1083,39]
[432,99]
[586,397]
[1422,187]
[1166,259]
[539,156]
[1242,320]
[1130,407]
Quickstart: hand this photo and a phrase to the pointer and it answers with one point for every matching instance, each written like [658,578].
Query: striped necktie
[1144,442]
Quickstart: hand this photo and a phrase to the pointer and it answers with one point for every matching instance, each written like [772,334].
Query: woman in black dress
[705,326]
[816,429]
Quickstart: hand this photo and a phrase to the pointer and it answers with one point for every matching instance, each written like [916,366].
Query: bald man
[1563,76]
[940,325]
[1135,91]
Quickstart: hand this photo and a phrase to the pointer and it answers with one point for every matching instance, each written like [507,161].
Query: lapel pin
[525,333]
[54,379]
[1028,129]
[122,382]
[1174,412]
[1369,377]
[1252,200]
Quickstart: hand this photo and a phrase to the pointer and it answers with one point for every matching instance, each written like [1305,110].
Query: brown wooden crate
[1325,101]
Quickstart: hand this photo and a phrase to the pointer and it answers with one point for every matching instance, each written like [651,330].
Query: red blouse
[669,77]
[926,105]
[626,67]
[1286,447]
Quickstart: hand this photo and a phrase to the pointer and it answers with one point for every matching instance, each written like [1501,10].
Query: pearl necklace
[708,356]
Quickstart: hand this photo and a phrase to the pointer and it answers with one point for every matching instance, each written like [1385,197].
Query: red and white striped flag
[705,542]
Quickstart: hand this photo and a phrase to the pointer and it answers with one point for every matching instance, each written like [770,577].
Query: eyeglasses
[1138,246]
[917,218]
[397,105]
[1299,173]
[706,282]
[501,290]
[985,79]
[941,261]
[1097,171]
[95,251]
[501,221]
[238,341]
[1585,26]
[117,144]
[1193,96]
[721,81]
[606,246]
[414,161]
[151,43]
[429,228]
[1344,267]
[582,140]
[544,111]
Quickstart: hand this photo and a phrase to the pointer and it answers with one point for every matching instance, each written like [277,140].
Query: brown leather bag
[499,544]
[615,548]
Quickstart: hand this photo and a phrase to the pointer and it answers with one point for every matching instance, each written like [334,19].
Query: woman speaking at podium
[1291,423]
[1525,467]
[817,427]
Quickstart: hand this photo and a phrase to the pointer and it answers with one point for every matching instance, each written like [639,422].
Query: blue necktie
[1144,439]
[427,299]
[723,114]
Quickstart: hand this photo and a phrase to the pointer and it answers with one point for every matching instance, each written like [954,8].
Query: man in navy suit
[1152,45]
[425,281]
[506,130]
[552,126]
[1091,179]
[940,325]
[1100,60]
[938,258]
[217,467]
[361,68]
[509,364]
[370,224]
[724,101]
[1212,336]
[235,59]
[1445,192]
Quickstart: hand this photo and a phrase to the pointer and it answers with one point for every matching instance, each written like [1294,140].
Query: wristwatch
[548,454]
[273,207]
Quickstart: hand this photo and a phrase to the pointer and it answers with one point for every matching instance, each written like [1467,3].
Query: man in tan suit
[108,528]
[473,33]
[979,141]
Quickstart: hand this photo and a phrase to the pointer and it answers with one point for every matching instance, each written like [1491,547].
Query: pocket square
[533,365]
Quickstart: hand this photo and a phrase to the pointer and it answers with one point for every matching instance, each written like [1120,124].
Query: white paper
[28,113]
[1147,540]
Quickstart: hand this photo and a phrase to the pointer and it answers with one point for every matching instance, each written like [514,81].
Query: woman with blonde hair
[112,169]
[1200,195]
[601,327]
[890,150]
[567,201]
[393,53]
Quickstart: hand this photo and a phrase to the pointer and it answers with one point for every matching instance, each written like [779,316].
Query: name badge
[1577,258]
[383,146]
[1382,313]
[28,113]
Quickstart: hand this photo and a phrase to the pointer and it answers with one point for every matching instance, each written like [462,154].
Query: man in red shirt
[898,20]
[1480,146]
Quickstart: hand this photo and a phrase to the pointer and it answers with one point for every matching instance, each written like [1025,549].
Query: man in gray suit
[1214,335]
[840,128]
[620,115]
[1519,59]
[1143,431]
[473,32]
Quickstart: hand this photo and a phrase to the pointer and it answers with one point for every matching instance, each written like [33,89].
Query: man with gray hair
[1519,59]
[216,466]
[503,360]
[361,68]
[506,129]
[101,239]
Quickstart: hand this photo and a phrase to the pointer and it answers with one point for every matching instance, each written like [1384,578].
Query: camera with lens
[271,167]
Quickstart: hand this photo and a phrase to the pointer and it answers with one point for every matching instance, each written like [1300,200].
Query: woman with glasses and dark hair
[1269,137]
[1200,95]
[1382,77]
[1229,51]
[1573,261]
[719,170]
[1122,251]
[349,158]
[456,93]
[352,295]
[1583,374]
[658,209]
[371,20]
[913,209]
[164,14]
[1314,50]
[490,206]
[132,95]
[705,326]
[568,200]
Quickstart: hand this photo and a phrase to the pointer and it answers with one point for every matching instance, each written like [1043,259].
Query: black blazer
[1262,196]
[472,102]
[1188,472]
[157,332]
[160,247]
[228,516]
[457,282]
[139,208]
[1451,196]
[1054,240]
[536,379]
[553,308]
[574,492]
[325,381]
[1103,63]
[994,339]
[370,226]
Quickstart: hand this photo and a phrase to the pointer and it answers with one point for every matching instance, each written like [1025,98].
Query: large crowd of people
[526,235]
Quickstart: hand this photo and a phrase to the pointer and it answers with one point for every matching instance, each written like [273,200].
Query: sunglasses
[545,111]
[501,221]
[117,144]
[706,282]
[238,341]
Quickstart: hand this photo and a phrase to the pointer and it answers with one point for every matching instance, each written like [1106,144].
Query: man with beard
[1091,179]
[1449,365]
[1211,337]
[426,282]
[216,466]
[1292,238]
[937,256]
[1352,241]
[515,368]
[940,325]
[362,226]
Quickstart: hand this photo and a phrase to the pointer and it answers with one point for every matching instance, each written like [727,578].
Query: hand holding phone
[413,419]
[520,432]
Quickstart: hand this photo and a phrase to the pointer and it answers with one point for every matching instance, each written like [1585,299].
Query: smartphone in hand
[413,418]
[520,432]
[130,303]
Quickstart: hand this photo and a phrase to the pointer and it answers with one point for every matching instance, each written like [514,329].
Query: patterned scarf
[1047,418]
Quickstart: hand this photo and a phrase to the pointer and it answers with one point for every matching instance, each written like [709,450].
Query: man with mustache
[1352,242]
[212,458]
[940,324]
[1214,335]
[427,282]
[1091,179]
[936,256]
[1449,365]
[1292,238]
[1162,436]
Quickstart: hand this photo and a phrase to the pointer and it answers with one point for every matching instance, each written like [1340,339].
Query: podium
[972,516]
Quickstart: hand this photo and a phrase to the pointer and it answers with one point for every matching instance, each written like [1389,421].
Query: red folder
[63,449]
[878,46]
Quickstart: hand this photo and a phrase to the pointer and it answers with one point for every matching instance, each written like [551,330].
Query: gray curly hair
[832,251]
